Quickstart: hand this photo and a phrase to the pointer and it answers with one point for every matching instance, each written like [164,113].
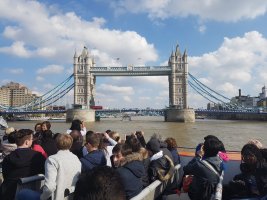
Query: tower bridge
[85,73]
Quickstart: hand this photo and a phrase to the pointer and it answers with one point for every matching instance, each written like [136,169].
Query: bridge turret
[177,52]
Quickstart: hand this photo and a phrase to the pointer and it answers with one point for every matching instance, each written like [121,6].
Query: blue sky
[226,42]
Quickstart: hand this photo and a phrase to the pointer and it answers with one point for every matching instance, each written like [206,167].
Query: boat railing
[36,183]
[156,188]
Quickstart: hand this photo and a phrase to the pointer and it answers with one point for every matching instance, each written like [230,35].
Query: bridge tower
[178,79]
[84,88]
[178,108]
[84,81]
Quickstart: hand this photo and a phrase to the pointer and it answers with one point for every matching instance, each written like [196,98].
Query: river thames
[234,134]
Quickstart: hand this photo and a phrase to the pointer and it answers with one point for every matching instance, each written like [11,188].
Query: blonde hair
[9,130]
[64,141]
[257,143]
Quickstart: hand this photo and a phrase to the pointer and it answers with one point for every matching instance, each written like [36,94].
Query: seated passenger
[95,157]
[100,183]
[206,171]
[163,145]
[132,172]
[172,147]
[252,182]
[161,166]
[20,163]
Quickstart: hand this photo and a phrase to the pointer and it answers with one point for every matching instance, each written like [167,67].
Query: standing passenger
[20,163]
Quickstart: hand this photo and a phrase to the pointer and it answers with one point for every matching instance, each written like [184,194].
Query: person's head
[11,138]
[114,135]
[134,143]
[63,141]
[98,184]
[251,154]
[46,126]
[24,137]
[76,136]
[108,131]
[76,125]
[153,146]
[256,142]
[117,155]
[9,130]
[92,141]
[171,143]
[213,137]
[38,127]
[47,134]
[210,137]
[211,147]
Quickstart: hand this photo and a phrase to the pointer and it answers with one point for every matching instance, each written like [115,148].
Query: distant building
[244,101]
[15,94]
[263,98]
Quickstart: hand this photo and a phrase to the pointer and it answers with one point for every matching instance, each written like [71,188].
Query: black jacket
[204,179]
[22,162]
[161,168]
[132,174]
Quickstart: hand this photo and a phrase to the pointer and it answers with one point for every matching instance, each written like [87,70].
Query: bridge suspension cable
[40,102]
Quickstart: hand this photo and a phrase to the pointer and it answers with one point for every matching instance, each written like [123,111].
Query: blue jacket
[132,175]
[93,159]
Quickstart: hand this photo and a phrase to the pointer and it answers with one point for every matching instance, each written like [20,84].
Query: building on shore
[244,101]
[263,99]
[15,94]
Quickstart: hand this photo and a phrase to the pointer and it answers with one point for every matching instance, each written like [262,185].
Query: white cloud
[239,62]
[219,10]
[127,99]
[50,69]
[17,49]
[37,31]
[40,78]
[48,86]
[115,89]
[16,71]
[202,29]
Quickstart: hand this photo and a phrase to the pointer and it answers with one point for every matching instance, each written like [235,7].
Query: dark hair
[134,143]
[98,184]
[126,149]
[22,135]
[251,150]
[48,125]
[76,125]
[211,147]
[38,124]
[117,148]
[76,136]
[213,137]
[171,143]
[92,138]
[11,138]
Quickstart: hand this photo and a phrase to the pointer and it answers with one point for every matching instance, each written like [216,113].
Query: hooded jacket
[93,159]
[20,163]
[133,174]
[204,179]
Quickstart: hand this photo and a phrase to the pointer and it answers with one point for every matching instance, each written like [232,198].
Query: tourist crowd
[104,166]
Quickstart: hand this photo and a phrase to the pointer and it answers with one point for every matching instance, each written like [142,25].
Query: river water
[234,134]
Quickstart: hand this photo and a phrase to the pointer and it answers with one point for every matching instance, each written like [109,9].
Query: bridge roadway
[137,110]
[132,71]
